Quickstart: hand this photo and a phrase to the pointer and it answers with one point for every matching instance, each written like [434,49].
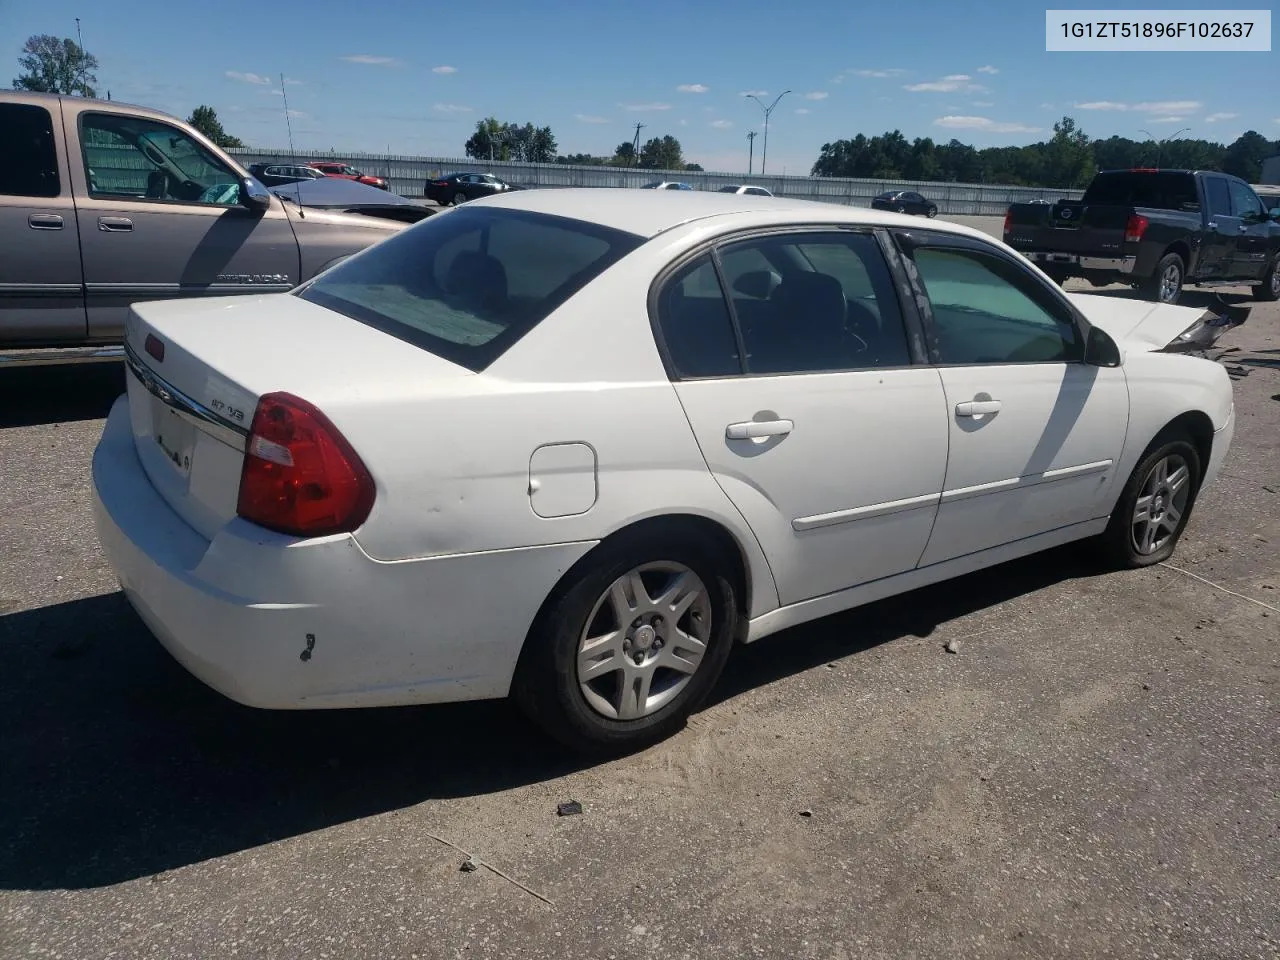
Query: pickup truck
[104,204]
[1156,230]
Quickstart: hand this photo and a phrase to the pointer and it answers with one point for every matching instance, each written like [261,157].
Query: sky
[413,78]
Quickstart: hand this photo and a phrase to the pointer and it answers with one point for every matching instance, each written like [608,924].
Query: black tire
[545,686]
[1269,289]
[459,198]
[933,212]
[1057,276]
[1119,541]
[901,209]
[1154,286]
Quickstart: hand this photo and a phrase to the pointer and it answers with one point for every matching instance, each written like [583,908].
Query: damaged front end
[1206,331]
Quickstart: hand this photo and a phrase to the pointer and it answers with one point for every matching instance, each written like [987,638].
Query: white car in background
[745,188]
[574,445]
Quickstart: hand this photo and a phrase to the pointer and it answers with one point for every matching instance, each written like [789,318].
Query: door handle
[1242,228]
[1212,224]
[44,221]
[975,408]
[758,428]
[115,224]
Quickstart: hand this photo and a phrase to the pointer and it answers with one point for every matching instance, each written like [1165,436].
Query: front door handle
[115,224]
[976,408]
[1243,227]
[44,221]
[751,429]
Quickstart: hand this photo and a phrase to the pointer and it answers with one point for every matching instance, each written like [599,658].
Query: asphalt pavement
[1093,772]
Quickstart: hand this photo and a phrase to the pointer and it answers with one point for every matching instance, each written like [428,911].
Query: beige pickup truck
[103,204]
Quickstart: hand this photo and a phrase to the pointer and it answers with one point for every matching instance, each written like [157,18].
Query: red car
[344,171]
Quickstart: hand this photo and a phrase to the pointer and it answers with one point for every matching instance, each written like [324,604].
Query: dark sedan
[458,188]
[905,201]
[277,174]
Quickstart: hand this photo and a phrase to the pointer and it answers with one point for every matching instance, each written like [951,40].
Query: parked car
[333,168]
[348,196]
[457,188]
[1270,197]
[1156,230]
[905,201]
[275,174]
[667,185]
[746,189]
[406,481]
[103,204]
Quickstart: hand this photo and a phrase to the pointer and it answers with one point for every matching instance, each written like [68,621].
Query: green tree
[1244,158]
[662,153]
[1068,157]
[54,65]
[624,155]
[510,141]
[205,119]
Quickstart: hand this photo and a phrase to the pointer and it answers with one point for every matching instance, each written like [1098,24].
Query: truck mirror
[254,195]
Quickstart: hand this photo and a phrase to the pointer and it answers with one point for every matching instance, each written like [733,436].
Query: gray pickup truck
[104,204]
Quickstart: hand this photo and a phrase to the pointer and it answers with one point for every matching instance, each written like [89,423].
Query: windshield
[468,285]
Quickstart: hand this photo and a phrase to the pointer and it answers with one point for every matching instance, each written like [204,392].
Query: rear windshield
[1162,191]
[469,283]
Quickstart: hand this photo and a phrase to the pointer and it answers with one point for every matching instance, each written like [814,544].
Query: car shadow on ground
[32,396]
[119,765]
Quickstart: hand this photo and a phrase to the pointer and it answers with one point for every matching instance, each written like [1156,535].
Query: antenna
[288,123]
[80,41]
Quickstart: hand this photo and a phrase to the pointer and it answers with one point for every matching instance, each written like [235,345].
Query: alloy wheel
[1170,283]
[1158,511]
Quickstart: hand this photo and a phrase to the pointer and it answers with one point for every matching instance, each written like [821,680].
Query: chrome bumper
[1119,264]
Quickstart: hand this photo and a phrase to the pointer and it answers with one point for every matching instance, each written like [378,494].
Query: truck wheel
[1165,283]
[1269,289]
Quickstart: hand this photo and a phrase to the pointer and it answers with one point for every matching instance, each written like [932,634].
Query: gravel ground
[1092,774]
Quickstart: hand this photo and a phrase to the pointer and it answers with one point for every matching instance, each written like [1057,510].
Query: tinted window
[1161,191]
[145,160]
[695,323]
[469,285]
[1244,202]
[987,310]
[833,305]
[28,157]
[1215,189]
[757,192]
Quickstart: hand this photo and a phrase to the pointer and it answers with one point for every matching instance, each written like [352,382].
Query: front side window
[28,154]
[143,159]
[468,286]
[1244,202]
[986,310]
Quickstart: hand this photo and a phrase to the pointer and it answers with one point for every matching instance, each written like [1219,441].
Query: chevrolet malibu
[572,446]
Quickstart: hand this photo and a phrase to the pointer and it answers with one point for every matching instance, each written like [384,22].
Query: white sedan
[574,445]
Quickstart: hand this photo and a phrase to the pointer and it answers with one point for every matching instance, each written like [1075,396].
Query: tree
[624,155]
[509,141]
[53,65]
[662,153]
[205,119]
[1244,158]
[1068,156]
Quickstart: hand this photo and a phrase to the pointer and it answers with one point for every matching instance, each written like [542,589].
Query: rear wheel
[1165,283]
[1269,289]
[1155,505]
[459,198]
[933,212]
[630,645]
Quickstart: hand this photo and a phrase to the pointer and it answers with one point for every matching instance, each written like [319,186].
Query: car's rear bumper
[1111,264]
[275,622]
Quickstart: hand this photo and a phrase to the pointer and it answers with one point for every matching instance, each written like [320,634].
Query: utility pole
[751,151]
[635,145]
[764,155]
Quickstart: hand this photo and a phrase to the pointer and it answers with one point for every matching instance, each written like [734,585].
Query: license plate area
[175,436]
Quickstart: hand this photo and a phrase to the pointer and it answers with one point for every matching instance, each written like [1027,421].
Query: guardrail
[407,176]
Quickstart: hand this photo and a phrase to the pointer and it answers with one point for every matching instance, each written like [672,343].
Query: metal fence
[407,176]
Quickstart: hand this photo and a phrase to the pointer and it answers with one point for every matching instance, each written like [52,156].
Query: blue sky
[415,77]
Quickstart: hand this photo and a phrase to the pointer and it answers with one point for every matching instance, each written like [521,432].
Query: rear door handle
[758,428]
[115,224]
[975,408]
[44,221]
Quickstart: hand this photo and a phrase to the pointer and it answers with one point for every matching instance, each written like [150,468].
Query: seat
[804,330]
[157,185]
[479,280]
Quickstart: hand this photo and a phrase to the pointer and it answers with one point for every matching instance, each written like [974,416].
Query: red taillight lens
[1008,221]
[300,475]
[1135,228]
[155,347]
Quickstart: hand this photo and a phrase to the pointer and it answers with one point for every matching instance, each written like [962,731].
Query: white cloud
[298,114]
[1215,117]
[290,82]
[892,72]
[451,108]
[754,93]
[804,110]
[1146,106]
[1046,106]
[444,69]
[988,69]
[587,118]
[949,84]
[644,107]
[817,95]
[684,123]
[721,124]
[1167,119]
[984,124]
[255,78]
[983,103]
[693,88]
[369,59]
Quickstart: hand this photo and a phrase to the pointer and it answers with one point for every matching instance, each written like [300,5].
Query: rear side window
[469,284]
[1160,191]
[28,156]
[1215,189]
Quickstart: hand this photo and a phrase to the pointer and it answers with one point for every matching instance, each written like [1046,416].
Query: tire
[1123,541]
[933,212]
[901,209]
[1269,289]
[1165,283]
[547,687]
[1057,276]
[459,198]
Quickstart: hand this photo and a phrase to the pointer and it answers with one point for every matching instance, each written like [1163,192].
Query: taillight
[155,347]
[300,475]
[1008,221]
[1135,228]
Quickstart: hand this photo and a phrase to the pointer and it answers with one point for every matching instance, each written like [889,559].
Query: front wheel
[1155,505]
[933,212]
[459,198]
[1269,289]
[630,645]
[1165,283]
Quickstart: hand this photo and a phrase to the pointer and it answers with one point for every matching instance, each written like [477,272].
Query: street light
[764,154]
[1160,143]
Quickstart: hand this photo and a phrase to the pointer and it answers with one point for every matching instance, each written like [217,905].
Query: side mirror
[1100,350]
[254,195]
